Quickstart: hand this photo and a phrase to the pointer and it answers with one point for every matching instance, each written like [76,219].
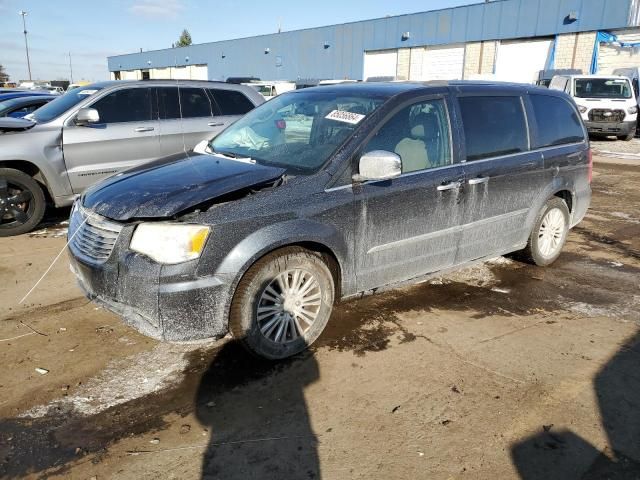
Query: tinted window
[168,104]
[493,126]
[419,134]
[128,105]
[231,102]
[557,121]
[194,102]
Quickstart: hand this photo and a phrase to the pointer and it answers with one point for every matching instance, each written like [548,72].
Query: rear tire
[283,303]
[22,202]
[549,234]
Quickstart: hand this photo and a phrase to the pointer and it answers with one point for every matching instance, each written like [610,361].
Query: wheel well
[30,169]
[327,255]
[26,167]
[567,197]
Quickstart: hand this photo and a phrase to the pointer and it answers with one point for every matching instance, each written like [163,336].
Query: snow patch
[124,380]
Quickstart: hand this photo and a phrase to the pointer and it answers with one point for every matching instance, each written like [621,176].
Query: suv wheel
[22,202]
[549,233]
[628,138]
[282,303]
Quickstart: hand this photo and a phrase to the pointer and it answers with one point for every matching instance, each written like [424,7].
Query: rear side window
[493,126]
[128,105]
[557,121]
[194,102]
[231,102]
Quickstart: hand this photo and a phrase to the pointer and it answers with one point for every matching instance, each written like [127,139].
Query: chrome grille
[606,115]
[92,236]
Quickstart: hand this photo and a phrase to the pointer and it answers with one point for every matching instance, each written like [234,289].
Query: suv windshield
[297,131]
[63,103]
[603,88]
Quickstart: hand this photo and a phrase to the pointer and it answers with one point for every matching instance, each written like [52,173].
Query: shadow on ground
[560,454]
[262,430]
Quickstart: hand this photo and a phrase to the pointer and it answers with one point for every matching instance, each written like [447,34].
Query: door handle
[478,180]
[144,129]
[448,186]
[215,124]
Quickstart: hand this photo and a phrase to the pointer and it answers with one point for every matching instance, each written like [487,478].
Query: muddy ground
[501,371]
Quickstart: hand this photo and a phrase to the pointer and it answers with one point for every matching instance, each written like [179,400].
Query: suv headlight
[169,243]
[582,109]
[632,110]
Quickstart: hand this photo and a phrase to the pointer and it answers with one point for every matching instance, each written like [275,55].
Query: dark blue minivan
[325,193]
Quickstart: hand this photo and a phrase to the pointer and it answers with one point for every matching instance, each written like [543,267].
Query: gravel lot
[501,371]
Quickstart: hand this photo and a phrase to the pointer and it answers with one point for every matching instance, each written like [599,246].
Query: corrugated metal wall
[302,53]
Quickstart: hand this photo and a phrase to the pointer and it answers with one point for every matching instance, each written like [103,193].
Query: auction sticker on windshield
[347,117]
[87,92]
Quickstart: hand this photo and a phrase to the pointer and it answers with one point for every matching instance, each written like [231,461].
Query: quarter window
[493,126]
[419,134]
[231,102]
[128,105]
[557,122]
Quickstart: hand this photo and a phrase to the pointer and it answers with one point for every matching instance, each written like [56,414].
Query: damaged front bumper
[166,302]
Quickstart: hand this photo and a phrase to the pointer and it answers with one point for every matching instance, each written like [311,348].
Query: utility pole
[26,44]
[70,68]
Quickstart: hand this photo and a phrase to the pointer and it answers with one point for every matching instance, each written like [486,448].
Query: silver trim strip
[446,231]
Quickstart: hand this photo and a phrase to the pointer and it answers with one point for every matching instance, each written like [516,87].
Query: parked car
[101,129]
[545,76]
[325,193]
[633,74]
[607,103]
[21,106]
[22,94]
[271,89]
[54,90]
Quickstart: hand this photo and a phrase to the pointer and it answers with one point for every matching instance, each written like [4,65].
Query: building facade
[510,40]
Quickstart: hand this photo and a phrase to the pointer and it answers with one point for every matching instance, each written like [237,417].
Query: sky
[91,33]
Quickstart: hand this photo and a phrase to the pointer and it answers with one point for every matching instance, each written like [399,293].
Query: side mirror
[87,116]
[378,165]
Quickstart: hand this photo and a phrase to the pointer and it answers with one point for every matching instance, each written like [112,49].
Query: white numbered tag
[347,117]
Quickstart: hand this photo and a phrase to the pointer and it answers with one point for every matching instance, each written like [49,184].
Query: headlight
[169,242]
[582,108]
[632,110]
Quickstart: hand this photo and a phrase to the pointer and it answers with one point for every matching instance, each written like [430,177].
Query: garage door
[438,63]
[199,72]
[380,63]
[612,57]
[521,60]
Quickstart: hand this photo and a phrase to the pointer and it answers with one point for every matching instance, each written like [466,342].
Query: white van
[270,89]
[607,103]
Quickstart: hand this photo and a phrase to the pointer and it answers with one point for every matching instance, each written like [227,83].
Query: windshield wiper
[233,156]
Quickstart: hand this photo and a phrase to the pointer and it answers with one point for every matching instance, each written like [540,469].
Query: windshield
[63,103]
[603,88]
[297,131]
[7,105]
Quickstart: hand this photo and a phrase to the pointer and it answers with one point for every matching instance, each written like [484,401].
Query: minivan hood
[172,185]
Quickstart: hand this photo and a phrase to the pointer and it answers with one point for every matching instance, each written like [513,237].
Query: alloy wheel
[289,305]
[15,204]
[551,232]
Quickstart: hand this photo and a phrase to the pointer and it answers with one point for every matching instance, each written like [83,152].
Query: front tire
[22,202]
[549,233]
[283,303]
[629,137]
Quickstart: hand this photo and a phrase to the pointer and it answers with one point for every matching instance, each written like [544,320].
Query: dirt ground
[500,371]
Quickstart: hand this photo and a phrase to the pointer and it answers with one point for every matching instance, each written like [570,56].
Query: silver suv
[98,130]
